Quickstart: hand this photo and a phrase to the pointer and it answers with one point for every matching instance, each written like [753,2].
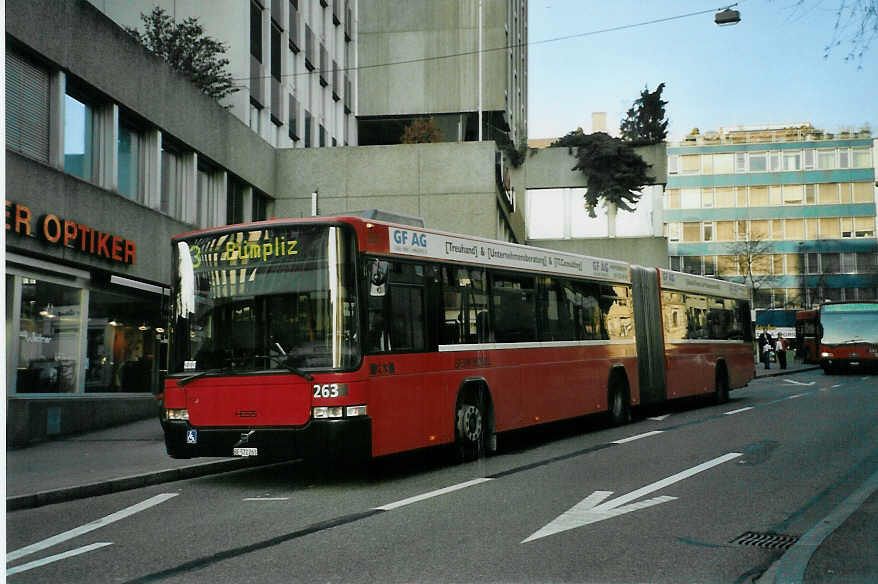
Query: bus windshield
[849,323]
[278,297]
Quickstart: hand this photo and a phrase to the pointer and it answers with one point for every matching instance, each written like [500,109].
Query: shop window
[48,343]
[79,138]
[121,346]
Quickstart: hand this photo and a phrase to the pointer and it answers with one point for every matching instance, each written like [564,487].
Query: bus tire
[470,425]
[721,394]
[618,401]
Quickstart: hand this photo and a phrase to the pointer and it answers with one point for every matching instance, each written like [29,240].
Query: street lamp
[727,16]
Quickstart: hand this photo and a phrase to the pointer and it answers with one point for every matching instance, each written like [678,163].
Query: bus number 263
[330,390]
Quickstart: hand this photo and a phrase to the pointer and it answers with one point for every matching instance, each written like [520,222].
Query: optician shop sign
[69,233]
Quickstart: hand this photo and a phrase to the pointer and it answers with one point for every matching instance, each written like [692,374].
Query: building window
[826,159]
[259,206]
[292,119]
[862,157]
[172,182]
[129,162]
[235,202]
[307,129]
[830,263]
[673,161]
[707,231]
[27,107]
[792,160]
[692,265]
[808,159]
[294,26]
[864,226]
[674,263]
[256,30]
[774,161]
[79,138]
[792,194]
[690,199]
[758,162]
[322,136]
[740,162]
[843,158]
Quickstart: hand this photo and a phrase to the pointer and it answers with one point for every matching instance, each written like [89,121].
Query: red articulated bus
[355,338]
[848,336]
[806,335]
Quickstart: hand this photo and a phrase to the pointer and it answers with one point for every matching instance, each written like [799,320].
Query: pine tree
[186,49]
[645,122]
[613,170]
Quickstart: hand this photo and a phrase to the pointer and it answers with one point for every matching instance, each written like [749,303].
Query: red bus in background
[848,336]
[353,338]
[806,335]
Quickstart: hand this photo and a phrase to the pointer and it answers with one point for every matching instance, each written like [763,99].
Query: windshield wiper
[200,374]
[284,361]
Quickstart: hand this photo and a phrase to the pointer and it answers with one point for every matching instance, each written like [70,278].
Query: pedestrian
[781,351]
[766,352]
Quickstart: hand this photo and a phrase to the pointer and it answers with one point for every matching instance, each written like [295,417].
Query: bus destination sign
[441,246]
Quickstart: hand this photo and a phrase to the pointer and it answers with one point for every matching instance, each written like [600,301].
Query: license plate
[244,451]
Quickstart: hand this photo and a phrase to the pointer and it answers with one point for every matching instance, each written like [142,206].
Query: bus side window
[513,299]
[395,318]
[464,308]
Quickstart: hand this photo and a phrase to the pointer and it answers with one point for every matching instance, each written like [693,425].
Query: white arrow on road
[798,382]
[595,508]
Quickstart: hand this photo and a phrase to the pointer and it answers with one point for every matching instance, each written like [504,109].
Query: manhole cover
[771,541]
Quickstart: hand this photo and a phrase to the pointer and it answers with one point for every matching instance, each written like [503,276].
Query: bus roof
[411,241]
[703,285]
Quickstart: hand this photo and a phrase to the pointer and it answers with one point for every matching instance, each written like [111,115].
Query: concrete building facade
[108,154]
[790,209]
[446,61]
[293,60]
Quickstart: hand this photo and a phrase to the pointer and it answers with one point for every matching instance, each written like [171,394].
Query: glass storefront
[48,337]
[68,338]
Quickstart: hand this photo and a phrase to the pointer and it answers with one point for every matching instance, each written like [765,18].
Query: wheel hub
[470,423]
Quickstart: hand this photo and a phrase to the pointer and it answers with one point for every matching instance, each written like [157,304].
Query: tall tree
[613,171]
[645,123]
[186,48]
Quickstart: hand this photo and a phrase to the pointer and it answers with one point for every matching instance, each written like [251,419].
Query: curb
[65,494]
[787,372]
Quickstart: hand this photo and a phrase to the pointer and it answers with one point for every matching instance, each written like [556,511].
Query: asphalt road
[659,500]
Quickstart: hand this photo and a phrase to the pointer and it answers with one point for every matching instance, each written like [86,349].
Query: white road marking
[798,382]
[638,437]
[595,507]
[83,529]
[661,418]
[836,385]
[267,499]
[738,411]
[432,494]
[795,396]
[55,558]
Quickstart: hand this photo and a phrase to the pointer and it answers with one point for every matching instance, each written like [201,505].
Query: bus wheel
[722,387]
[470,427]
[620,411]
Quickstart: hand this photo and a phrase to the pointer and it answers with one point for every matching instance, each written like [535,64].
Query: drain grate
[771,541]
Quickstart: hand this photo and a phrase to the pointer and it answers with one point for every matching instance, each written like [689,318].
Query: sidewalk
[794,366]
[96,463]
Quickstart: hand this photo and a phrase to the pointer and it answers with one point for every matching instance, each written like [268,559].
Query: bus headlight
[352,411]
[176,414]
[327,412]
[825,355]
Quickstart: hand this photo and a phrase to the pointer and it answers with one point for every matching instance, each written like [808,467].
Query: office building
[789,209]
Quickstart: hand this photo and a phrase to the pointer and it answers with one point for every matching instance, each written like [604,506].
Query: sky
[767,69]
